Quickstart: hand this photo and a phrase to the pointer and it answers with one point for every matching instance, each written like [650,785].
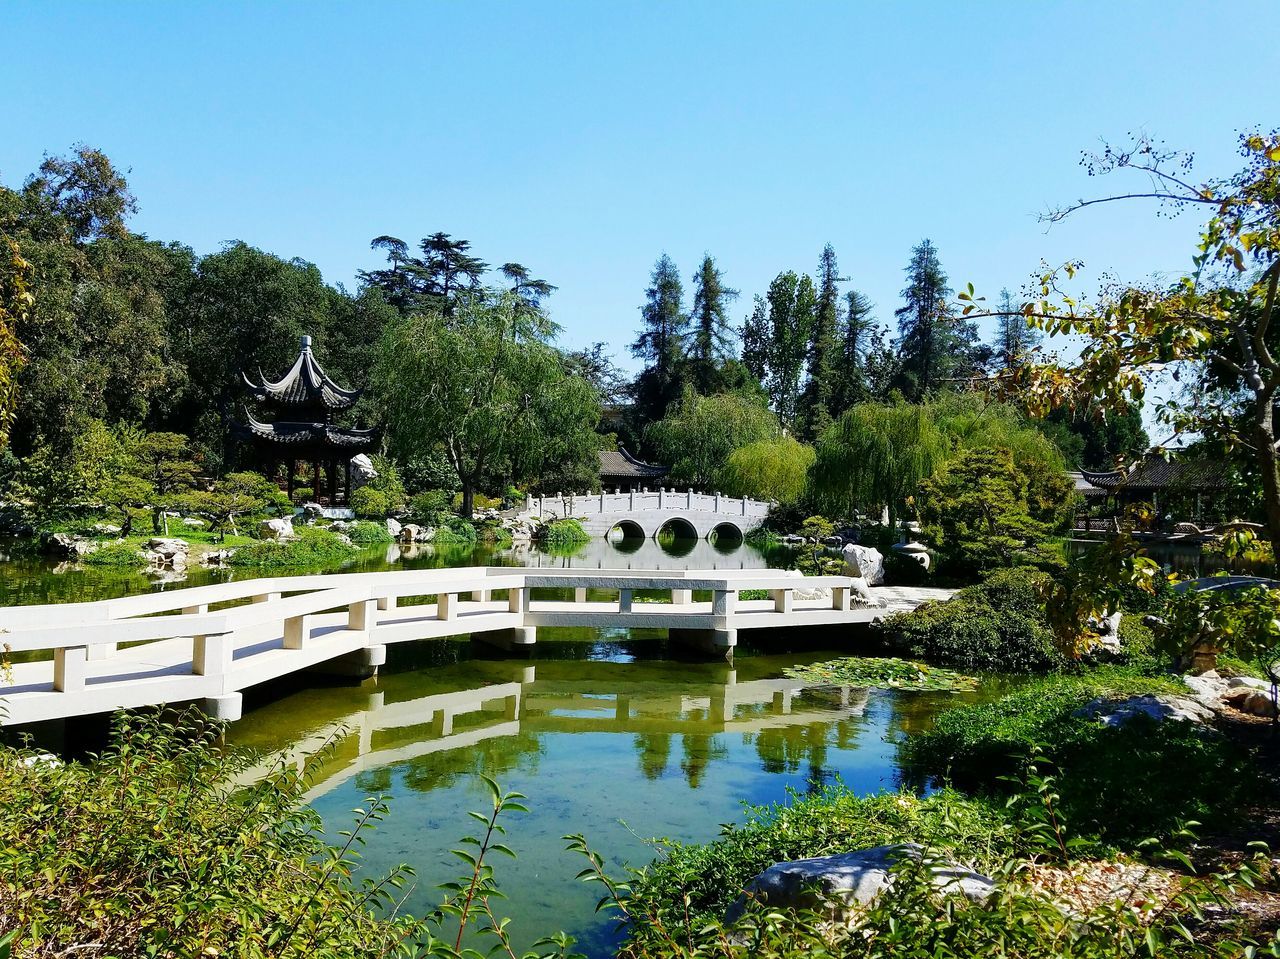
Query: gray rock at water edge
[857,878]
[413,533]
[162,551]
[217,557]
[393,528]
[66,544]
[281,528]
[342,526]
[1161,707]
[865,562]
[311,512]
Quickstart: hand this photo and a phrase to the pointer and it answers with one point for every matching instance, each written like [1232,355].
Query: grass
[884,673]
[121,555]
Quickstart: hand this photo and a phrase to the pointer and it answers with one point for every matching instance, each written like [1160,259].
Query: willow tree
[874,457]
[771,469]
[15,302]
[498,404]
[698,434]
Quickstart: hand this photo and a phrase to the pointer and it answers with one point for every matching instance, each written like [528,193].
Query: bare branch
[1057,216]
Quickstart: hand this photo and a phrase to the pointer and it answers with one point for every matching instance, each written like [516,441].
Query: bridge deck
[139,652]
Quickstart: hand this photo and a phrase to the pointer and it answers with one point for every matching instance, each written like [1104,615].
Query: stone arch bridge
[648,513]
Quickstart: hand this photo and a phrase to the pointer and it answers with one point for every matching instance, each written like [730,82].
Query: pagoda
[304,402]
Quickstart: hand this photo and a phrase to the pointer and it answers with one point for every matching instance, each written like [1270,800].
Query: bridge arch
[679,528]
[726,534]
[626,529]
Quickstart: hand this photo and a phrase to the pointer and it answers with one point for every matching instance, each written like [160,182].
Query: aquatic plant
[886,673]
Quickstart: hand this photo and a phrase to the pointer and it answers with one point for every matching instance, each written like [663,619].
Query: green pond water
[615,734]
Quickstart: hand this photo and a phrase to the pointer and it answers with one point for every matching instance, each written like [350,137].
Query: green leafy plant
[887,673]
[562,532]
[312,548]
[118,555]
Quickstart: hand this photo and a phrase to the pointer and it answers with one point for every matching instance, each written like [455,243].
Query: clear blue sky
[584,139]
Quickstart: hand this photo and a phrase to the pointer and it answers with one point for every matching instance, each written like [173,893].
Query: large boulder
[66,545]
[362,472]
[413,533]
[1251,700]
[864,562]
[311,512]
[162,551]
[1157,706]
[393,528]
[856,878]
[281,528]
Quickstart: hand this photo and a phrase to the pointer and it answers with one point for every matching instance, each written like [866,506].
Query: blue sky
[584,139]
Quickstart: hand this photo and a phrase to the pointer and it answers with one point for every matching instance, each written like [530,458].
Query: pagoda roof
[308,435]
[305,385]
[1154,472]
[620,463]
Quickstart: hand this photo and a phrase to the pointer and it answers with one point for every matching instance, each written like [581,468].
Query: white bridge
[648,513]
[205,644]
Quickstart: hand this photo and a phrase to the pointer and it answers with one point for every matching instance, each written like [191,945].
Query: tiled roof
[1155,472]
[322,435]
[305,385]
[621,463]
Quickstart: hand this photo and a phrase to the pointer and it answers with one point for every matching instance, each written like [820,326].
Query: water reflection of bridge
[382,734]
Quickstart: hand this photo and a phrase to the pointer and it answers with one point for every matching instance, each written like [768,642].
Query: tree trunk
[468,499]
[1269,467]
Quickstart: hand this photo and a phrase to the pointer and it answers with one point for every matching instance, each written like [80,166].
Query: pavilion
[621,471]
[301,429]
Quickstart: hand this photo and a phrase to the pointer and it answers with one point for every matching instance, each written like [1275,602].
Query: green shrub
[368,534]
[430,508]
[562,532]
[303,494]
[1118,782]
[997,625]
[370,502]
[147,850]
[118,555]
[313,548]
[455,531]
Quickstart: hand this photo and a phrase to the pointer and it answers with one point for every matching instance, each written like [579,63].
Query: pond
[614,734]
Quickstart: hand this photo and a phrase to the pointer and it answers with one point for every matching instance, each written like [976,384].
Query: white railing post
[840,597]
[386,602]
[724,602]
[688,499]
[681,597]
[211,655]
[296,631]
[363,615]
[518,599]
[662,497]
[633,499]
[717,503]
[602,499]
[580,594]
[783,600]
[447,606]
[266,598]
[70,668]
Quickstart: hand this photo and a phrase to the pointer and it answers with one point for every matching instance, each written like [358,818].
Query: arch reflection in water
[788,723]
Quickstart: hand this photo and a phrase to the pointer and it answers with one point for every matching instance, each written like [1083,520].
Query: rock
[106,529]
[217,557]
[342,527]
[281,528]
[161,551]
[410,532]
[1237,681]
[793,539]
[192,522]
[362,472]
[864,562]
[917,551]
[1207,690]
[811,592]
[66,544]
[857,877]
[311,512]
[1161,707]
[862,594]
[1109,633]
[1255,702]
[393,527]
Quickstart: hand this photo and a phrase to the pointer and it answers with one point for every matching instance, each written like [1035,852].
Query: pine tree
[1014,338]
[858,338]
[934,345]
[661,342]
[710,337]
[755,339]
[815,403]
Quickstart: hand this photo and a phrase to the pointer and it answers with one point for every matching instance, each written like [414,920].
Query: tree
[15,304]
[859,339]
[595,364]
[235,495]
[770,469]
[979,511]
[710,339]
[934,345]
[755,339]
[436,281]
[164,462]
[495,405]
[699,434]
[875,456]
[792,302]
[661,341]
[1097,439]
[1015,337]
[816,401]
[1212,328]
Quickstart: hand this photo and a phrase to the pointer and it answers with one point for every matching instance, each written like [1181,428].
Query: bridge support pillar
[228,707]
[717,642]
[357,664]
[681,597]
[518,637]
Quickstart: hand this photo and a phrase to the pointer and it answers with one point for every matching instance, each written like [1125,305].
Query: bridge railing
[603,502]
